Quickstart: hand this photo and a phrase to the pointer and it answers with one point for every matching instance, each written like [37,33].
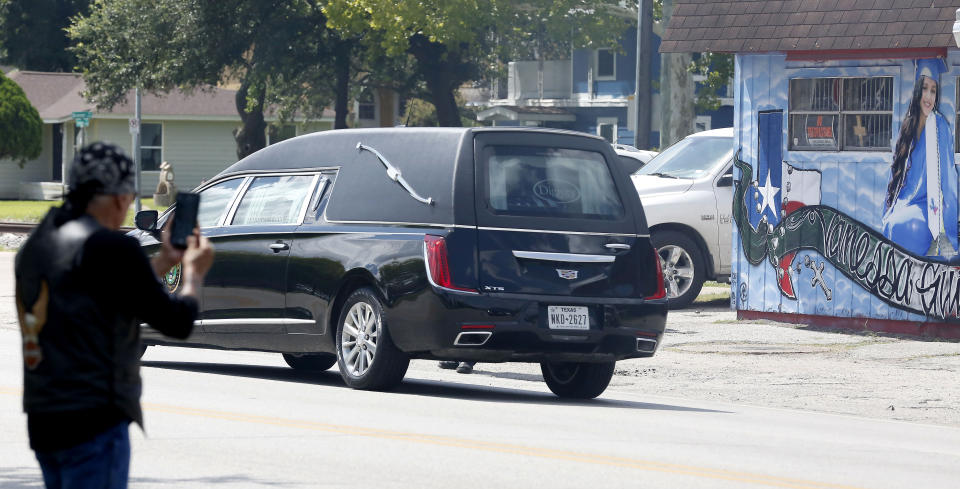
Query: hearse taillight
[439,267]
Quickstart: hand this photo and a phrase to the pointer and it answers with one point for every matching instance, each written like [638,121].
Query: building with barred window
[845,115]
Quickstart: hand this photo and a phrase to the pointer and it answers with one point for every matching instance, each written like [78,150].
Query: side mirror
[725,181]
[147,221]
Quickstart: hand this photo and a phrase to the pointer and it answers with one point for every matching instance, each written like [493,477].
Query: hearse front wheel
[577,380]
[366,355]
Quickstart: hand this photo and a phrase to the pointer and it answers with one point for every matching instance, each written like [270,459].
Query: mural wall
[847,201]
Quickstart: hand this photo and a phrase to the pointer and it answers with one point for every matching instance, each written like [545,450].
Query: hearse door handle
[617,246]
[278,247]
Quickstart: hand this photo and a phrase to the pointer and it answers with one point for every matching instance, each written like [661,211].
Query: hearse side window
[214,201]
[273,200]
[550,182]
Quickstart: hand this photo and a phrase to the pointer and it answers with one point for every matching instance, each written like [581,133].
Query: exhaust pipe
[646,346]
[472,338]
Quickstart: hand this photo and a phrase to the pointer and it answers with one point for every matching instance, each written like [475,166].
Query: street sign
[134,125]
[82,119]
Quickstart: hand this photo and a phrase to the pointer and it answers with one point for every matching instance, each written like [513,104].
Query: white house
[193,132]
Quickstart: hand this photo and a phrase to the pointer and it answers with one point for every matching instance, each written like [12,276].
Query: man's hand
[197,260]
[168,256]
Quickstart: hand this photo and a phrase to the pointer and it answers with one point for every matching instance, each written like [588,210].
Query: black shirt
[88,378]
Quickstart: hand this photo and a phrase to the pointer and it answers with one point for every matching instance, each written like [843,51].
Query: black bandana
[102,168]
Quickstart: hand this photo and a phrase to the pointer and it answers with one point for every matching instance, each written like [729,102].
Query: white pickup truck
[687,194]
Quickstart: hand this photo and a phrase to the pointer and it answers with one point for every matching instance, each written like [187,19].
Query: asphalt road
[245,420]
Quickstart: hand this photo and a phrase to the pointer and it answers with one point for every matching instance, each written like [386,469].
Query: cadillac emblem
[567,274]
[172,278]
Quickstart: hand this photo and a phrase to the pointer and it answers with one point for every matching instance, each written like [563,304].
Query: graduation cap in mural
[931,68]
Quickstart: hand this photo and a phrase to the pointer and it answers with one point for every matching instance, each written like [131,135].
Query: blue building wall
[829,256]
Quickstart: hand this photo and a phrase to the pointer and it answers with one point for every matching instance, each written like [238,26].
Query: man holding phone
[82,290]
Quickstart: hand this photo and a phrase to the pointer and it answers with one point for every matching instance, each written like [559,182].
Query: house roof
[808,25]
[57,95]
[514,112]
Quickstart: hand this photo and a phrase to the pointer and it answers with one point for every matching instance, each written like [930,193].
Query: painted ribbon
[915,284]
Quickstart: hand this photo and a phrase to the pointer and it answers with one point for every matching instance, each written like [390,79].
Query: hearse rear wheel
[577,380]
[366,355]
[314,362]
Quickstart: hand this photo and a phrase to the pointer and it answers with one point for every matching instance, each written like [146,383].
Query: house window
[606,64]
[151,146]
[366,108]
[607,128]
[275,134]
[841,114]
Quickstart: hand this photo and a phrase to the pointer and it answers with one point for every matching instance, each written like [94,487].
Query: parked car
[368,248]
[631,159]
[687,195]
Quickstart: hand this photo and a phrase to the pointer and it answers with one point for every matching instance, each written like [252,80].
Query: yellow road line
[503,448]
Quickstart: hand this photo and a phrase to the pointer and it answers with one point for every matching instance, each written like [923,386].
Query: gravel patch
[11,241]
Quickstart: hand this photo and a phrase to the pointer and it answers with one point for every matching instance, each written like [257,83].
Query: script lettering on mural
[886,270]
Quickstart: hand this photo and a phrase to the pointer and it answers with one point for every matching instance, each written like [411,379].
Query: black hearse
[370,247]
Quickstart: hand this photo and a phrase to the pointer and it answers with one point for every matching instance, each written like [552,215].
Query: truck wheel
[577,380]
[683,267]
[366,355]
[317,362]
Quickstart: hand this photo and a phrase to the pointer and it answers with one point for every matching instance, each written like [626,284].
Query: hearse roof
[427,159]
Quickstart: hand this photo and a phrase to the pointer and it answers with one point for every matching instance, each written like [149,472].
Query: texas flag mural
[800,188]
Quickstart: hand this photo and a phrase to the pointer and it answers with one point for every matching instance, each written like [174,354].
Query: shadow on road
[416,387]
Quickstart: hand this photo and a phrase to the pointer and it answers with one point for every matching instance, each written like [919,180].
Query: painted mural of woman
[920,210]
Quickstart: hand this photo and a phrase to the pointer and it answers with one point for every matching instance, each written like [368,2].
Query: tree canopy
[32,35]
[455,42]
[274,49]
[20,124]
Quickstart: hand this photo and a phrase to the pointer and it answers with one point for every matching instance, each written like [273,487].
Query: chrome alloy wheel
[677,270]
[358,342]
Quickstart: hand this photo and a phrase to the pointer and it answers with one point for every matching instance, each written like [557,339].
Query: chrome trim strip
[617,246]
[394,174]
[456,342]
[389,223]
[426,264]
[306,199]
[564,257]
[258,321]
[579,233]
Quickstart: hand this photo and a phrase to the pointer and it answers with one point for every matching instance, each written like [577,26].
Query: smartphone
[184,218]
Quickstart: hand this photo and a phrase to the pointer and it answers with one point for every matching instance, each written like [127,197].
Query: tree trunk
[442,70]
[252,136]
[677,97]
[342,66]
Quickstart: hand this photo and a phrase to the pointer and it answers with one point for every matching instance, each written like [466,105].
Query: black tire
[386,366]
[684,268]
[315,362]
[577,380]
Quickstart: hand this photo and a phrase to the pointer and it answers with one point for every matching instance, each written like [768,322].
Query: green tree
[276,50]
[20,124]
[32,35]
[455,42]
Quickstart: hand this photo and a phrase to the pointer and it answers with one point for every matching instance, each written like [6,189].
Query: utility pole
[136,147]
[642,96]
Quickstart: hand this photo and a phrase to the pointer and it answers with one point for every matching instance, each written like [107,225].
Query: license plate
[568,317]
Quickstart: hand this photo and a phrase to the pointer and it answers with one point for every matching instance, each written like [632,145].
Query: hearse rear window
[550,182]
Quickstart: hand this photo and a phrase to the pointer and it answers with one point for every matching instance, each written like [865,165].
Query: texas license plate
[568,317]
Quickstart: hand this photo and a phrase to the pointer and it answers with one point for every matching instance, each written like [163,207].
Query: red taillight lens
[661,290]
[437,264]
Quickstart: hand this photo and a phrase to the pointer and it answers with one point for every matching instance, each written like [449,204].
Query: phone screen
[184,218]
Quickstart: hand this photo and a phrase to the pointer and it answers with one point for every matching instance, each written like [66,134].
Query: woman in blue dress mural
[920,210]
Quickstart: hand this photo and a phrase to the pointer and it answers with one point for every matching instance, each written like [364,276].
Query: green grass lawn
[34,210]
